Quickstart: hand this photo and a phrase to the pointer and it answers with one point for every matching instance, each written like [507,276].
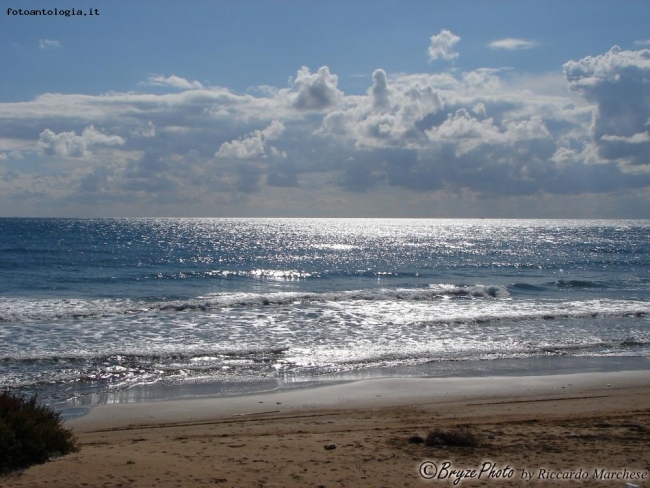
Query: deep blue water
[89,306]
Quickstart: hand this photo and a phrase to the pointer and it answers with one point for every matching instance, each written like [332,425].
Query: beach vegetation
[460,436]
[30,433]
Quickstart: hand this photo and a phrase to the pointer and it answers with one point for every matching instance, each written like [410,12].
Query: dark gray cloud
[247,178]
[359,177]
[282,174]
[588,178]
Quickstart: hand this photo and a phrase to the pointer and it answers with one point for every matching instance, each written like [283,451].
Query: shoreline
[212,389]
[379,392]
[533,424]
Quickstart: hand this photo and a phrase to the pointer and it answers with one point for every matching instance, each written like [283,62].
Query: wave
[257,354]
[579,312]
[35,310]
[28,310]
[589,348]
[478,291]
[122,371]
[562,285]
[577,284]
[526,287]
[378,294]
[22,310]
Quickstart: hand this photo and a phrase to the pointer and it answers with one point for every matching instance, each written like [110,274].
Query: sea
[120,310]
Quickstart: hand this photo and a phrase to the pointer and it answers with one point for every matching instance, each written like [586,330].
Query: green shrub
[30,433]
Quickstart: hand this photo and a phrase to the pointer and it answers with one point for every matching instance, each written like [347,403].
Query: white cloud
[442,46]
[638,138]
[386,117]
[470,133]
[69,144]
[380,91]
[513,44]
[48,44]
[642,42]
[479,109]
[485,132]
[255,145]
[316,91]
[174,82]
[148,130]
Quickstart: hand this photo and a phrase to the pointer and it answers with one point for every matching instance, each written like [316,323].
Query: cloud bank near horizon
[472,136]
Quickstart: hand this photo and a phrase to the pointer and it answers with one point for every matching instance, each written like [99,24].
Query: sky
[297,108]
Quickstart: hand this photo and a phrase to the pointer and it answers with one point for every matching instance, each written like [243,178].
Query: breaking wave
[34,310]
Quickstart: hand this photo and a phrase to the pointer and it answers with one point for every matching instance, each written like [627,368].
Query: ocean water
[93,308]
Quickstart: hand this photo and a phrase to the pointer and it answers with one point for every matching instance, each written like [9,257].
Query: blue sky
[300,108]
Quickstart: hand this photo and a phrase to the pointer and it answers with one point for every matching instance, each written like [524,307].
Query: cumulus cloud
[316,91]
[469,133]
[387,117]
[512,44]
[69,144]
[442,46]
[380,91]
[617,84]
[255,145]
[49,44]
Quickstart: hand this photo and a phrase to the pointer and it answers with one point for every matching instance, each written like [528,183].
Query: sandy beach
[590,429]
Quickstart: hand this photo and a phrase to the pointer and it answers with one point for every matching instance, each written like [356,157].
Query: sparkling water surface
[96,306]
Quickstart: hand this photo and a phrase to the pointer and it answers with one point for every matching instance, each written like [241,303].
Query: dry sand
[587,425]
